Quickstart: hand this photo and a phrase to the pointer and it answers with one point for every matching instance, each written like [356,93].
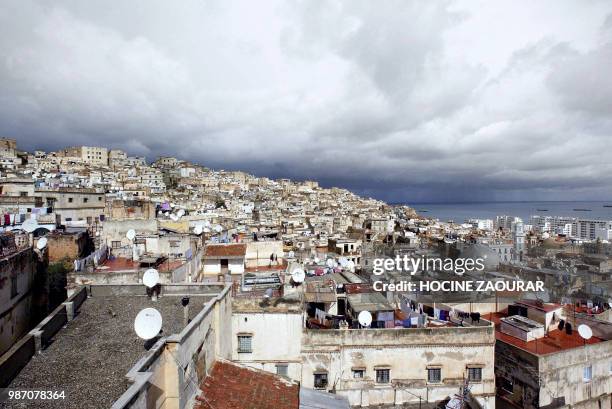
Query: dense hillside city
[280,284]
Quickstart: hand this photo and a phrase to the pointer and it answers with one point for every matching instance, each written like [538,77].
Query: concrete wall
[15,309]
[213,266]
[407,353]
[258,252]
[561,374]
[276,340]
[115,230]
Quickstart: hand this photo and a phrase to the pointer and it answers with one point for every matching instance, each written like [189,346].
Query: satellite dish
[298,275]
[218,228]
[585,331]
[291,254]
[131,234]
[150,278]
[365,318]
[198,229]
[316,260]
[343,261]
[180,213]
[350,265]
[330,263]
[42,243]
[148,323]
[174,217]
[206,230]
[29,225]
[268,293]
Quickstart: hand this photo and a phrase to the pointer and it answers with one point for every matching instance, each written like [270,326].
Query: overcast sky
[400,100]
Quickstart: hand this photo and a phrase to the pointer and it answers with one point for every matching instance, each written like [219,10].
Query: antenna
[29,225]
[365,318]
[150,278]
[42,243]
[148,323]
[131,234]
[298,275]
[585,332]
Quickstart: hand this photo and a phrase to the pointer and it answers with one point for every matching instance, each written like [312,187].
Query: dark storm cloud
[400,100]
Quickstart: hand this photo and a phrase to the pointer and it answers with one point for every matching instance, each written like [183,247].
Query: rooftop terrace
[554,341]
[90,357]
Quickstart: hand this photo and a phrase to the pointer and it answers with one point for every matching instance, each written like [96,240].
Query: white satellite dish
[218,228]
[585,331]
[206,230]
[42,243]
[150,278]
[29,225]
[131,234]
[330,263]
[268,293]
[365,318]
[148,323]
[350,265]
[343,261]
[198,229]
[181,213]
[291,254]
[316,260]
[174,217]
[172,205]
[298,275]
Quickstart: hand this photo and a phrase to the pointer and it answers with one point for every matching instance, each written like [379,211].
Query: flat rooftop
[125,264]
[555,341]
[89,358]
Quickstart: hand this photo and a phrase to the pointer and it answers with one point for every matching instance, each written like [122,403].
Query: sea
[459,212]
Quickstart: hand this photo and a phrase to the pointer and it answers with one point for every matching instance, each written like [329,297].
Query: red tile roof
[230,386]
[225,250]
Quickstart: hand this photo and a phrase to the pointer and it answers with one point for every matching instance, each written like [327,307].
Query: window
[175,243]
[587,373]
[245,344]
[434,375]
[507,385]
[320,380]
[116,244]
[23,194]
[14,291]
[282,369]
[382,375]
[475,374]
[85,200]
[69,200]
[99,198]
[358,373]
